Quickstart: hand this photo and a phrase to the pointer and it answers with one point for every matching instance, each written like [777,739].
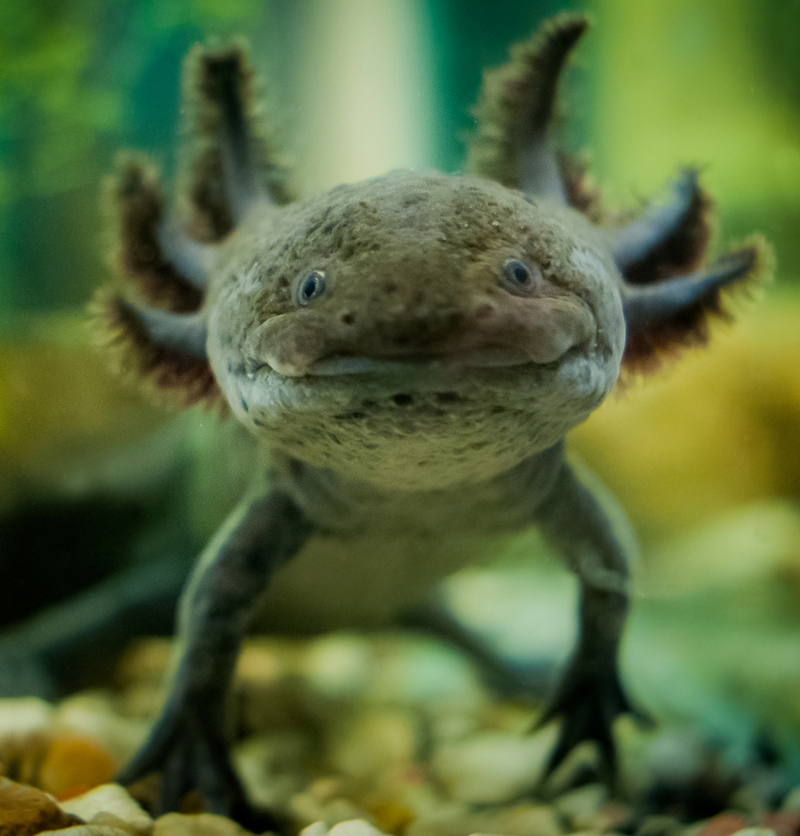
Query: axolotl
[409,352]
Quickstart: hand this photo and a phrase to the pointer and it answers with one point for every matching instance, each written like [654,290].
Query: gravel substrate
[354,736]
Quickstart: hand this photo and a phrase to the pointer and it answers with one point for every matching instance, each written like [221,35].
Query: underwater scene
[399,415]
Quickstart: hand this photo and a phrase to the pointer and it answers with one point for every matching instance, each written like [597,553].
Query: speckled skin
[414,270]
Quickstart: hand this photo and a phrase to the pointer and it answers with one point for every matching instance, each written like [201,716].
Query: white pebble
[318,828]
[354,827]
[112,800]
[24,715]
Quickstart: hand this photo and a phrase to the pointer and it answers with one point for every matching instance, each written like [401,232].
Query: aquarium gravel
[354,736]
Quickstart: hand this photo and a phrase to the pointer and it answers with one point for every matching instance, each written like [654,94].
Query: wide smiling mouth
[489,357]
[358,388]
[368,384]
[415,368]
[493,336]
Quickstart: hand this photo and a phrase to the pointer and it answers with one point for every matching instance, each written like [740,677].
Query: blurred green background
[705,458]
[361,86]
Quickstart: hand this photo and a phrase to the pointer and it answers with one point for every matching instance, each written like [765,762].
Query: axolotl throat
[411,351]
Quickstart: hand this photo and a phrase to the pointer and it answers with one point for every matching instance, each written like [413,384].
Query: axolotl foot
[588,700]
[190,751]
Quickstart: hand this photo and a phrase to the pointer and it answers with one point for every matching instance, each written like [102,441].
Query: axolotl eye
[519,278]
[311,286]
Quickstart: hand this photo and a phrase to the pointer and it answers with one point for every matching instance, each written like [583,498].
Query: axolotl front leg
[590,695]
[585,532]
[189,744]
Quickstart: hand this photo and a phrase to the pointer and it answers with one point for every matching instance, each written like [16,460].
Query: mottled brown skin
[409,352]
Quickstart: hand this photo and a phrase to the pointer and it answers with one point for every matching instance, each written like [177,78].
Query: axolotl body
[411,350]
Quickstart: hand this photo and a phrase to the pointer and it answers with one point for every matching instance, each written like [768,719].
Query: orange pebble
[74,764]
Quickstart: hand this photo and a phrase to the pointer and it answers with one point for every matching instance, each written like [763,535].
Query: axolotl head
[415,329]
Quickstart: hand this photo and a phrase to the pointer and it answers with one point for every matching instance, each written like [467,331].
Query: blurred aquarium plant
[77,81]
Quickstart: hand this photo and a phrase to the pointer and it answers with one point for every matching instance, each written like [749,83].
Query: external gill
[160,336]
[516,108]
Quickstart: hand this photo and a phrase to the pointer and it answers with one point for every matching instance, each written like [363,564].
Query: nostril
[348,318]
[484,312]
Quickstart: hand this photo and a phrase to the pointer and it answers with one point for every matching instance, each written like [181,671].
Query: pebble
[613,815]
[110,804]
[275,766]
[21,756]
[783,823]
[23,716]
[658,825]
[198,824]
[88,830]
[330,801]
[756,831]
[271,693]
[520,820]
[355,737]
[371,743]
[62,764]
[414,792]
[582,806]
[390,816]
[73,764]
[724,824]
[791,804]
[94,715]
[27,811]
[422,672]
[260,662]
[491,767]
[353,827]
[339,665]
[307,810]
[318,828]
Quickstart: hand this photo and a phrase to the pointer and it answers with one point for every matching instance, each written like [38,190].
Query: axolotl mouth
[485,357]
[423,421]
[337,379]
[293,354]
[490,331]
